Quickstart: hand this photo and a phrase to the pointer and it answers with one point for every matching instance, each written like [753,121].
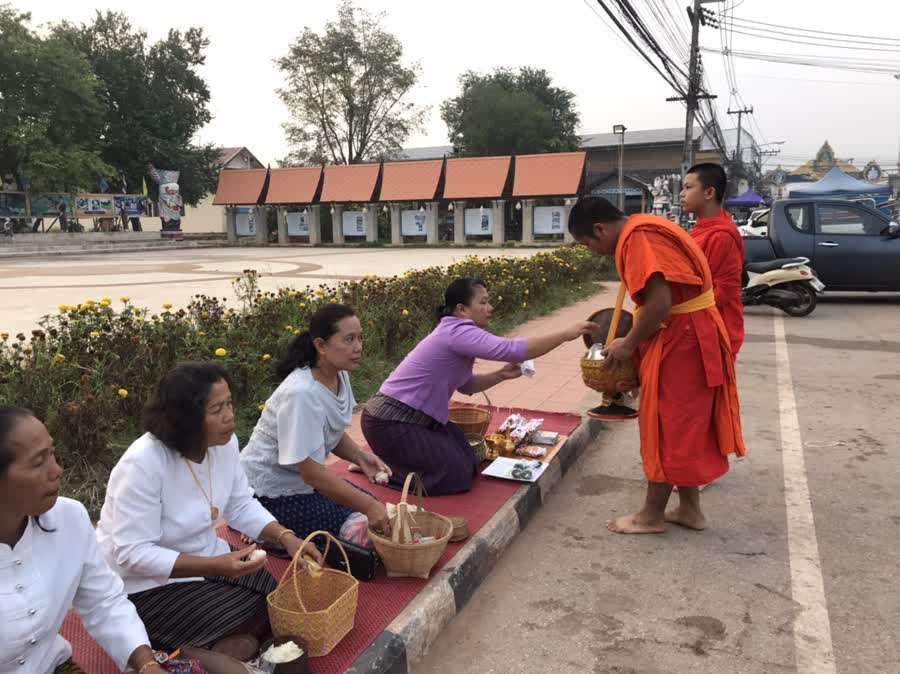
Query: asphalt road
[797,571]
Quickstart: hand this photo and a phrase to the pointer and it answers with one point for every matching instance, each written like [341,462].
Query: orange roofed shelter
[411,188]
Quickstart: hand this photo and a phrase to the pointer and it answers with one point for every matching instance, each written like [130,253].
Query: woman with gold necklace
[164,499]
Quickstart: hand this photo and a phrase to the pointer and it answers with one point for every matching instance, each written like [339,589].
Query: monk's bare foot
[636,523]
[689,518]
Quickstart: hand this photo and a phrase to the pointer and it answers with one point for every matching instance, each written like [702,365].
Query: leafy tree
[348,92]
[50,120]
[153,99]
[508,112]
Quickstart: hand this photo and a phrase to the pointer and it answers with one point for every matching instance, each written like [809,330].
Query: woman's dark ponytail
[460,291]
[302,352]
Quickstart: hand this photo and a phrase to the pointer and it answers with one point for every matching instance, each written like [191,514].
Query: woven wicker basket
[318,608]
[605,379]
[402,557]
[473,420]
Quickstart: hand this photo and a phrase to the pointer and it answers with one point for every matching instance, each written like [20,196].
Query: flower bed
[88,369]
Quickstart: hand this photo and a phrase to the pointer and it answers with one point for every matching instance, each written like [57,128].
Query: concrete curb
[8,253]
[406,640]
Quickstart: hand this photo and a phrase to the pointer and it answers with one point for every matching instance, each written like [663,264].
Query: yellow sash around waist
[701,302]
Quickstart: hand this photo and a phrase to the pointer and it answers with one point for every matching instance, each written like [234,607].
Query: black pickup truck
[851,246]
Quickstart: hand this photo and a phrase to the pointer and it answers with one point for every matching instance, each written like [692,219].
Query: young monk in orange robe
[689,413]
[718,237]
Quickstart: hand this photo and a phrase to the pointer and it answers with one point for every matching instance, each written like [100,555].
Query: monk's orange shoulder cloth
[673,253]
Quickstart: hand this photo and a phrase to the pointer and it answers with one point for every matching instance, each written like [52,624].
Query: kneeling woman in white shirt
[49,563]
[164,498]
[304,421]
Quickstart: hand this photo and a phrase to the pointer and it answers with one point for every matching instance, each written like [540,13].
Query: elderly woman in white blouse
[49,563]
[157,524]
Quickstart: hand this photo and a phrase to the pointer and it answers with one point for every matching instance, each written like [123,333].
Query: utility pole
[740,113]
[698,15]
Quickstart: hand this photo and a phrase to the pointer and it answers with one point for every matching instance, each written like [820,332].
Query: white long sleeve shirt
[155,510]
[44,575]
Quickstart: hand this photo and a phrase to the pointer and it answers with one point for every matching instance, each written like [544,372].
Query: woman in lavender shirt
[406,423]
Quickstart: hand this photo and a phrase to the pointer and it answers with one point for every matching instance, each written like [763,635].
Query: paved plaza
[33,287]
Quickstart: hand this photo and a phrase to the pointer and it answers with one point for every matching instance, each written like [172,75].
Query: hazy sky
[859,113]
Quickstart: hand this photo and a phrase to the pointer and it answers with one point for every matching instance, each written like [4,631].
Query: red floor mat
[381,600]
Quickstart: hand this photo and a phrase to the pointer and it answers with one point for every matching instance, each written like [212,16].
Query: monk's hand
[510,371]
[618,353]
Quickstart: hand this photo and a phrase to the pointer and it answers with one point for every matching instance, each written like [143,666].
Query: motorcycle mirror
[894,229]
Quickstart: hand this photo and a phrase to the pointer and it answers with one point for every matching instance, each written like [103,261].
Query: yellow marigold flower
[221,353]
[289,328]
[320,292]
[266,356]
[63,308]
[124,298]
[333,301]
[500,299]
[526,292]
[136,310]
[4,336]
[123,393]
[405,312]
[261,407]
[105,302]
[95,334]
[524,305]
[167,305]
[292,293]
[303,305]
[201,334]
[60,358]
[138,320]
[90,302]
[296,332]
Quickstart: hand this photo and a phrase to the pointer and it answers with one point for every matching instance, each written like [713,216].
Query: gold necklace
[213,511]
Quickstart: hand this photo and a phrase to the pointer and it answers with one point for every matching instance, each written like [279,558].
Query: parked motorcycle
[789,284]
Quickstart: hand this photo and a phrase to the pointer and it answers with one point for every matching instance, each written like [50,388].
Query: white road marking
[812,629]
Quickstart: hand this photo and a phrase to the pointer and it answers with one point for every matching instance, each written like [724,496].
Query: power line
[815,44]
[818,37]
[815,61]
[810,30]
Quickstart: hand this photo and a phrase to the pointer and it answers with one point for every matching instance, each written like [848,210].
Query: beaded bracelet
[149,663]
[278,540]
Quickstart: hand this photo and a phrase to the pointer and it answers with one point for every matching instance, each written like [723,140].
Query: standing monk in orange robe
[689,414]
[717,235]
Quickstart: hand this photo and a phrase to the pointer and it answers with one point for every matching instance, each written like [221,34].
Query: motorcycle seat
[771,265]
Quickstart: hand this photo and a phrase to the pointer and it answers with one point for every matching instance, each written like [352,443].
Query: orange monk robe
[689,413]
[723,246]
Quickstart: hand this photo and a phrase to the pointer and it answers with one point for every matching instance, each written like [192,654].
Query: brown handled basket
[473,420]
[402,557]
[319,608]
[594,373]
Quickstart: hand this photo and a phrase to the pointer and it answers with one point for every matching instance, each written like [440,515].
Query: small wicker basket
[473,420]
[402,557]
[318,608]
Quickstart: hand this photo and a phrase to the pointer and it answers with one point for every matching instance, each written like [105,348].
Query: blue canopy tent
[838,185]
[749,199]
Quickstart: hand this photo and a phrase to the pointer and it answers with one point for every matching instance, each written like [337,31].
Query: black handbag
[363,562]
